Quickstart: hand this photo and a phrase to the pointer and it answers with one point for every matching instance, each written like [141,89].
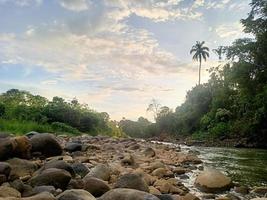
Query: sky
[114,55]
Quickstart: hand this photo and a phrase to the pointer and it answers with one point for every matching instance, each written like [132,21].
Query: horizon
[113,55]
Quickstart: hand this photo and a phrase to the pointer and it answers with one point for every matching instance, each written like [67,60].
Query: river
[245,166]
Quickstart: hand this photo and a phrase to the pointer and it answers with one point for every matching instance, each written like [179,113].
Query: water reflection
[247,166]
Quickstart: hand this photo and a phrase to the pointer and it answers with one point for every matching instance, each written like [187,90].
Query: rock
[71,147]
[260,190]
[212,181]
[75,194]
[162,172]
[149,152]
[190,196]
[46,144]
[242,190]
[189,159]
[132,181]
[259,199]
[127,194]
[100,171]
[165,197]
[128,160]
[58,178]
[179,170]
[95,186]
[9,192]
[45,188]
[58,164]
[5,169]
[154,191]
[157,165]
[3,178]
[21,167]
[41,196]
[167,186]
[15,147]
[80,169]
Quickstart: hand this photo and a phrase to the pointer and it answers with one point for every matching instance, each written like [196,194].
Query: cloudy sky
[115,55]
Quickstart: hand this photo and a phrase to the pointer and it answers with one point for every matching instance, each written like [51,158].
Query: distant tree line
[60,114]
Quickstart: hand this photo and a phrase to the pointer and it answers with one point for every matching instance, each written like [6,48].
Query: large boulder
[15,147]
[127,194]
[75,194]
[58,178]
[95,186]
[132,181]
[100,171]
[46,144]
[149,152]
[213,180]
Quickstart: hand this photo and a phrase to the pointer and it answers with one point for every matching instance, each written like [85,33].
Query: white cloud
[75,5]
[23,3]
[230,30]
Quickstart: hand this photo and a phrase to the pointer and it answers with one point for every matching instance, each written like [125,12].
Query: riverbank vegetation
[21,112]
[233,103]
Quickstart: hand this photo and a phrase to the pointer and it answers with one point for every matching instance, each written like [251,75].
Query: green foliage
[35,113]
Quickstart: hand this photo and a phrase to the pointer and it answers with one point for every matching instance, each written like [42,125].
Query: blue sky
[114,55]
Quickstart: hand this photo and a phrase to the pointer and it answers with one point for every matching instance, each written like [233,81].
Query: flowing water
[245,166]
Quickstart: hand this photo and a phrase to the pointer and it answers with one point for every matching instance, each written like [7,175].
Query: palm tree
[200,52]
[219,51]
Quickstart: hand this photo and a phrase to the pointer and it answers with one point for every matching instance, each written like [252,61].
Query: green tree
[200,52]
[219,52]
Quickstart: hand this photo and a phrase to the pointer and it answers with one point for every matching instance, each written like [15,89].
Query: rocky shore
[47,167]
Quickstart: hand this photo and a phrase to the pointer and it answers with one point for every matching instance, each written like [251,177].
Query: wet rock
[71,147]
[31,134]
[208,196]
[132,181]
[149,152]
[76,184]
[46,144]
[179,170]
[15,147]
[80,169]
[9,192]
[75,194]
[189,159]
[100,171]
[212,181]
[58,178]
[95,186]
[127,194]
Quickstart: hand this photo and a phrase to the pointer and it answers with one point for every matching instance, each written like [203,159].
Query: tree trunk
[199,71]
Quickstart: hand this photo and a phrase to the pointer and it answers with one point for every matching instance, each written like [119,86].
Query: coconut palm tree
[219,52]
[200,53]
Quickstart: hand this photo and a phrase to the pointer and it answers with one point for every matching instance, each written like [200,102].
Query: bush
[64,128]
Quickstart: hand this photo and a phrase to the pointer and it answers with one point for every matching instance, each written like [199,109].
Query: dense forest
[21,111]
[232,104]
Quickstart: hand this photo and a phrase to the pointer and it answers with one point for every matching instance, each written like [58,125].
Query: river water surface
[245,166]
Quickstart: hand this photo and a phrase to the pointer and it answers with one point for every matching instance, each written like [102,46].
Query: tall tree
[219,52]
[154,107]
[200,52]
